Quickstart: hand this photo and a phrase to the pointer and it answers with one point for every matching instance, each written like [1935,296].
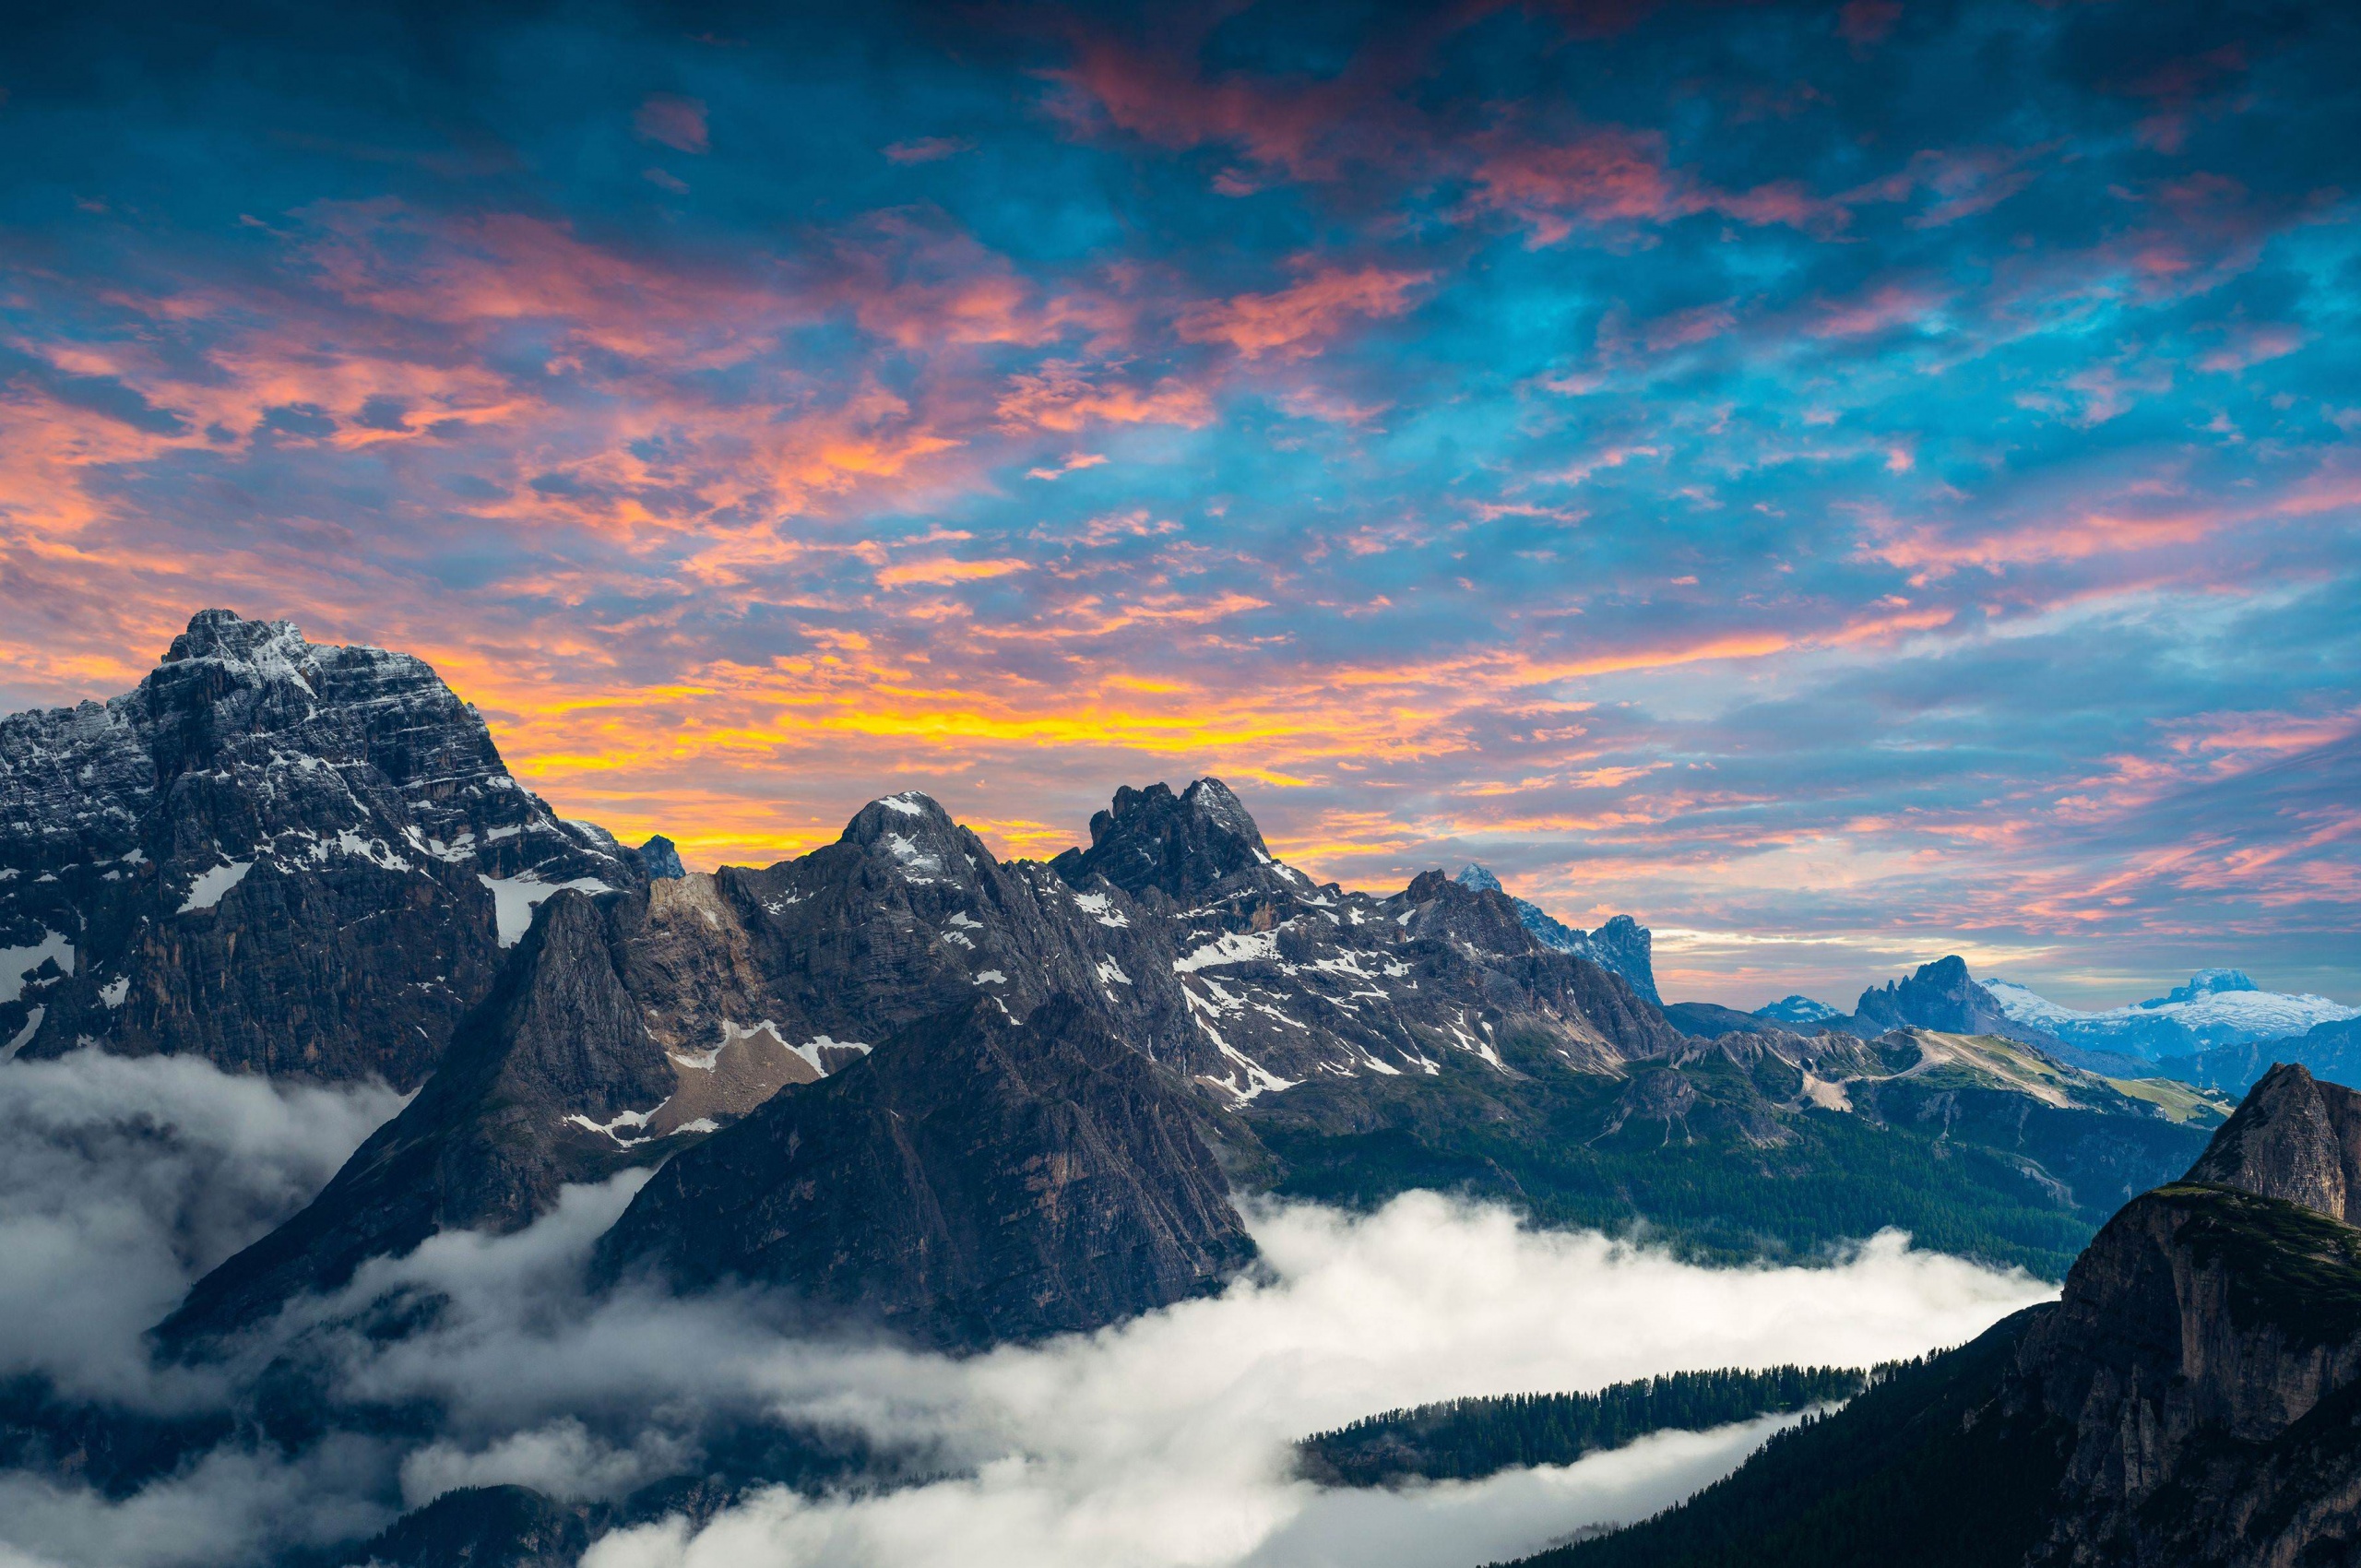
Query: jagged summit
[1182,846]
[2293,1137]
[288,857]
[226,635]
[1623,944]
[1941,995]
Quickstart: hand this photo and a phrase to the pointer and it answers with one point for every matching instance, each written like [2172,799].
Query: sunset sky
[1843,484]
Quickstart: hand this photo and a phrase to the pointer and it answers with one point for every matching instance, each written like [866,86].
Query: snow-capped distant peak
[2205,982]
[2216,1007]
[1797,1008]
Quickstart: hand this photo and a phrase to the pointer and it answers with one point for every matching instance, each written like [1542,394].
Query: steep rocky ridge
[628,1024]
[974,1181]
[1623,944]
[287,858]
[2331,1050]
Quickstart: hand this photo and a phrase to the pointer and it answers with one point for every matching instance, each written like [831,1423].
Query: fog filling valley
[1163,1441]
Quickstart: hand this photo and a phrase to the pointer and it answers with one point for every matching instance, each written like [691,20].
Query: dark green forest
[1468,1439]
[1896,1476]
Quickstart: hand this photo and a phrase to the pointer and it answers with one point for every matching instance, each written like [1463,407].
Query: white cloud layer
[123,1178]
[1161,1444]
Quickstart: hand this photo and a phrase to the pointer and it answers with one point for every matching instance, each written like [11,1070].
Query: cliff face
[975,1180]
[2194,1398]
[287,858]
[2207,1353]
[2293,1138]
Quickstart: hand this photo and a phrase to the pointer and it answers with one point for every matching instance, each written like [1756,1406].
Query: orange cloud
[1298,321]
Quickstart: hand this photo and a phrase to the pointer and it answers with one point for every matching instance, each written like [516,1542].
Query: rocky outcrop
[1942,996]
[1181,846]
[284,857]
[2194,1398]
[661,858]
[2293,1138]
[1623,944]
[975,1180]
[2197,1339]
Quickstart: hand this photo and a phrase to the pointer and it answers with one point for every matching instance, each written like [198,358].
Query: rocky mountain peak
[661,858]
[2205,982]
[288,857]
[1941,995]
[1183,845]
[2293,1137]
[226,635]
[1479,878]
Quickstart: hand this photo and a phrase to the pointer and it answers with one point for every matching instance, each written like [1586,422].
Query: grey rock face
[2293,1138]
[1939,996]
[975,1180]
[1623,944]
[286,858]
[2207,1353]
[661,858]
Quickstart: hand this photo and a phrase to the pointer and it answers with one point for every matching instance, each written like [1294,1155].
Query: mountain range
[912,1091]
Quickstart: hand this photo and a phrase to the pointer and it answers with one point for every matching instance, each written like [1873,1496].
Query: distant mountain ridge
[1623,944]
[1046,1080]
[2217,1007]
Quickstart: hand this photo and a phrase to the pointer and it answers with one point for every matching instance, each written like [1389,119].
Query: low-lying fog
[1162,1441]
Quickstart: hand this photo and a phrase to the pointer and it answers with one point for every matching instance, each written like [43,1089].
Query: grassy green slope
[1729,1160]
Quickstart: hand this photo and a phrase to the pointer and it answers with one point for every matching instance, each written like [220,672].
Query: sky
[1841,483]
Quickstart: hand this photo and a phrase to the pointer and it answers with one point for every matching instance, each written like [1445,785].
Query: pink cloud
[1864,22]
[676,122]
[928,149]
[1880,309]
[1298,321]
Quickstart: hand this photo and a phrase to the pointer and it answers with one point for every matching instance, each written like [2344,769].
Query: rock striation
[285,857]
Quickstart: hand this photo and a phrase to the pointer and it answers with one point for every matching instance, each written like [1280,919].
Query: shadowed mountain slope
[2193,1399]
[975,1180]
